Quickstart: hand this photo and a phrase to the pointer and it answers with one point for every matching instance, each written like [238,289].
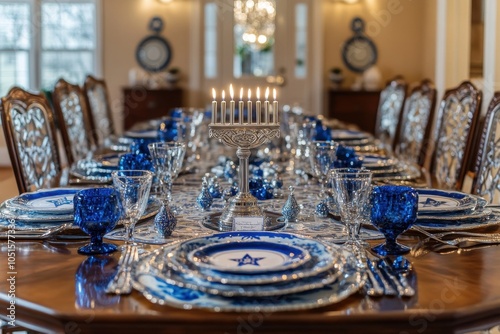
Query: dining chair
[457,119]
[100,116]
[486,181]
[390,105]
[30,134]
[416,123]
[71,111]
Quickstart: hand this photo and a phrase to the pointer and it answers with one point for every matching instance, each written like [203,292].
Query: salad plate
[443,201]
[160,291]
[323,258]
[182,280]
[249,257]
[53,201]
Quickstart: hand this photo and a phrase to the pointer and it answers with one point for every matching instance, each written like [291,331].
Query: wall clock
[359,52]
[154,52]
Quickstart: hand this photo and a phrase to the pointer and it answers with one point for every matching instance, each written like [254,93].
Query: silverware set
[388,278]
[122,282]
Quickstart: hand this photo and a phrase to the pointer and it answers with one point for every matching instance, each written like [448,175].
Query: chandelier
[255,19]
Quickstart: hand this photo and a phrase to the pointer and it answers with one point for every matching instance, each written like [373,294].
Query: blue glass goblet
[394,210]
[97,211]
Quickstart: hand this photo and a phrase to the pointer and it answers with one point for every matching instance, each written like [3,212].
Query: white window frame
[35,51]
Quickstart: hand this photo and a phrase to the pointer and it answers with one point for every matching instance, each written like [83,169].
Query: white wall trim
[4,157]
[490,40]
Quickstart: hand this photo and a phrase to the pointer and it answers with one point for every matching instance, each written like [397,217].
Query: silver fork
[467,236]
[122,282]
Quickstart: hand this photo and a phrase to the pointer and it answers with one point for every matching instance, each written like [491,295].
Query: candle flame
[249,94]
[213,93]
[231,91]
[223,95]
[241,93]
[258,93]
[274,94]
[267,93]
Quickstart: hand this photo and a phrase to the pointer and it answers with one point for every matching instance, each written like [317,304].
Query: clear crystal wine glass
[133,187]
[394,210]
[322,156]
[96,212]
[167,159]
[351,187]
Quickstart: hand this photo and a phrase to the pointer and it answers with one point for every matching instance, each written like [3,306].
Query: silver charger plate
[323,258]
[157,290]
[453,216]
[460,225]
[272,222]
[157,261]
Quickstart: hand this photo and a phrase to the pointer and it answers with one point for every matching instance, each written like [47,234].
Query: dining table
[47,287]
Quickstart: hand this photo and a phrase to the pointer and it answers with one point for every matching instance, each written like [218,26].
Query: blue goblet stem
[96,241]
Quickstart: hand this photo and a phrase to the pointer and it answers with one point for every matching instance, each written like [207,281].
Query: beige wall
[397,27]
[125,24]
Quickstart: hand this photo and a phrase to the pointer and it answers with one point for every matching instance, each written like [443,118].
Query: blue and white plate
[323,258]
[460,224]
[157,261]
[442,201]
[159,291]
[249,257]
[148,133]
[54,201]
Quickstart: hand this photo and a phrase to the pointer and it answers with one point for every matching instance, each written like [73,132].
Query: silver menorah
[246,134]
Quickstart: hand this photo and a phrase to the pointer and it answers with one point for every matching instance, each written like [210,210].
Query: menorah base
[241,205]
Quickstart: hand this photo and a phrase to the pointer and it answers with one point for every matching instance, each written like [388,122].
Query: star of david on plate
[248,259]
[432,202]
[60,201]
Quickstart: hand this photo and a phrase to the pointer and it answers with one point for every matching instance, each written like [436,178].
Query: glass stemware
[394,210]
[351,187]
[96,212]
[167,159]
[133,187]
[323,155]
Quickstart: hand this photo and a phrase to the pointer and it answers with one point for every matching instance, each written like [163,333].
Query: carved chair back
[487,165]
[389,111]
[457,119]
[30,134]
[416,123]
[72,114]
[101,119]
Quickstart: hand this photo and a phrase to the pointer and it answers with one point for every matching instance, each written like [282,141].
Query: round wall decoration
[359,52]
[154,52]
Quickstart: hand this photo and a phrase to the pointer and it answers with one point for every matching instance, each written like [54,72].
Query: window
[44,40]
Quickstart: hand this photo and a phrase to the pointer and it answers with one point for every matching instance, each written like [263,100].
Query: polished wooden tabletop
[457,292]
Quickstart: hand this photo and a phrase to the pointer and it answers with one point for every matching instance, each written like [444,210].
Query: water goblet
[322,156]
[96,212]
[133,187]
[394,210]
[351,188]
[167,160]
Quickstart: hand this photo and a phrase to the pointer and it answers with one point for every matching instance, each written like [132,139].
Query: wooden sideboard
[357,107]
[141,104]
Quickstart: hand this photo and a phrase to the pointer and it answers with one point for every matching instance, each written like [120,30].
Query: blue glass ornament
[291,209]
[165,221]
[204,199]
[321,209]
